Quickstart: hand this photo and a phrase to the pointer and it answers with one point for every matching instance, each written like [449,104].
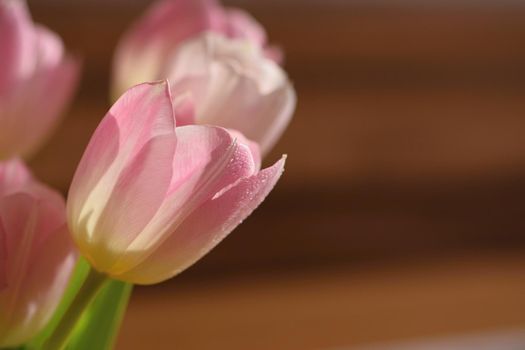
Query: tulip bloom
[144,50]
[36,80]
[219,57]
[149,199]
[36,254]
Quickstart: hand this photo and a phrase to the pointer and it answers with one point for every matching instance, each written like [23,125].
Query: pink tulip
[147,45]
[36,80]
[149,199]
[219,57]
[36,254]
[233,86]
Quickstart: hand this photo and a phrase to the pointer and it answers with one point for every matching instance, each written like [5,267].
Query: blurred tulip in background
[219,57]
[37,79]
[36,254]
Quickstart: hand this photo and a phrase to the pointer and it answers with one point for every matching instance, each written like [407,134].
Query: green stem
[89,289]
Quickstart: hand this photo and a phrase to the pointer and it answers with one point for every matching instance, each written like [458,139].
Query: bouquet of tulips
[173,167]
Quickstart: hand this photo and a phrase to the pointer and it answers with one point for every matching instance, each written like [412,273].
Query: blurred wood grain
[332,309]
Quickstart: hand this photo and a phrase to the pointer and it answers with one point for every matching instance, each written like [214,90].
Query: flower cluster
[174,166]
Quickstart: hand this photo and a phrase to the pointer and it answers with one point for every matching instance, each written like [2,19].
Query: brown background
[401,212]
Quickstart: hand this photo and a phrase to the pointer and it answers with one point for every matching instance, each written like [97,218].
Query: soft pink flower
[216,55]
[36,253]
[149,198]
[233,86]
[145,49]
[36,80]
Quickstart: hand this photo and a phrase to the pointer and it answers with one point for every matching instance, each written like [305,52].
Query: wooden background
[401,212]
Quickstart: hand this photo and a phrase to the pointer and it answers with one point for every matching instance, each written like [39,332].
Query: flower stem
[89,289]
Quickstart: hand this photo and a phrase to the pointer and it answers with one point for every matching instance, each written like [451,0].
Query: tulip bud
[36,254]
[217,55]
[36,80]
[149,199]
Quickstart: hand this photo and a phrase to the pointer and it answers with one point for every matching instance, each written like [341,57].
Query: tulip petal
[143,113]
[136,197]
[184,109]
[143,52]
[50,92]
[25,126]
[30,207]
[205,227]
[18,214]
[49,47]
[32,272]
[236,87]
[100,154]
[207,160]
[175,20]
[52,87]
[253,146]
[241,25]
[49,274]
[271,118]
[30,221]
[17,42]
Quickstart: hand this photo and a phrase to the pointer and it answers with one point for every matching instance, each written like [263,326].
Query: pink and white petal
[17,41]
[143,113]
[28,217]
[25,126]
[19,216]
[49,274]
[97,160]
[42,287]
[51,209]
[193,88]
[205,227]
[136,197]
[49,48]
[253,146]
[184,109]
[241,105]
[241,25]
[207,160]
[53,89]
[144,51]
[173,21]
[234,86]
[274,115]
[193,58]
